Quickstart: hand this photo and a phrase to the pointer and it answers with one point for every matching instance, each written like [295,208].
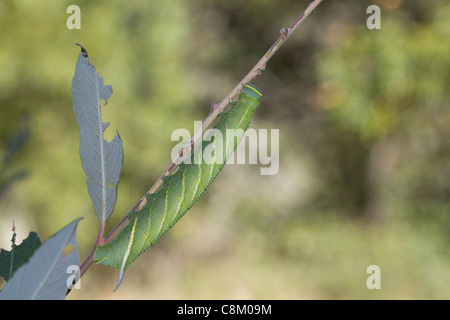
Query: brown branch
[216,110]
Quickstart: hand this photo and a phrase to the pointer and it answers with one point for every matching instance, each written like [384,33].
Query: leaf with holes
[101,160]
[10,261]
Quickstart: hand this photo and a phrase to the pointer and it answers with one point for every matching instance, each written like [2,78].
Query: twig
[216,110]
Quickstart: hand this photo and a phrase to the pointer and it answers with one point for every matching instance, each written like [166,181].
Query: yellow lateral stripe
[253,88]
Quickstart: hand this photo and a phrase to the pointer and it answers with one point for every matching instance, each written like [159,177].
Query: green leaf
[10,261]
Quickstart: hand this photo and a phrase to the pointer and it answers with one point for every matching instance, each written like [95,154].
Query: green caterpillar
[180,190]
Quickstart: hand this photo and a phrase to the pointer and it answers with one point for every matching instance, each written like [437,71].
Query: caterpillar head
[252,91]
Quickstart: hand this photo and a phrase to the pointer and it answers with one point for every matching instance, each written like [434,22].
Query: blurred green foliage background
[364,122]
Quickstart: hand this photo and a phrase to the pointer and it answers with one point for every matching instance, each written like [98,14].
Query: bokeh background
[364,122]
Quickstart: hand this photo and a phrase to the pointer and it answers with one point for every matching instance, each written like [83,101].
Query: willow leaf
[101,160]
[10,261]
